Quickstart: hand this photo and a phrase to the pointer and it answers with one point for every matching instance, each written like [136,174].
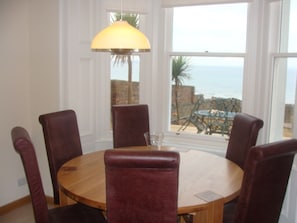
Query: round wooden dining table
[206,182]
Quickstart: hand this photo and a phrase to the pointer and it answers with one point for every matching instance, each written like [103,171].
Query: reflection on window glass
[210,28]
[206,94]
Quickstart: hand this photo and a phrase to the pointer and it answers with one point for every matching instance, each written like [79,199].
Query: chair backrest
[62,141]
[265,180]
[23,145]
[129,123]
[244,134]
[141,186]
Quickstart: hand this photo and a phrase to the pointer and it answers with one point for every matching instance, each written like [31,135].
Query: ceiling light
[120,38]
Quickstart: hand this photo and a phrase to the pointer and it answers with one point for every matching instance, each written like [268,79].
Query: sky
[219,28]
[212,28]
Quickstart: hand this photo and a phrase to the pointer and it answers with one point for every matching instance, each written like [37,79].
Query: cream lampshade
[120,38]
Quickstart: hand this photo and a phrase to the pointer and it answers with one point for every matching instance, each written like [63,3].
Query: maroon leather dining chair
[129,123]
[266,174]
[244,134]
[62,142]
[141,186]
[76,213]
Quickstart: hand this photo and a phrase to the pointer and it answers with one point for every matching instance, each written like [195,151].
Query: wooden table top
[203,177]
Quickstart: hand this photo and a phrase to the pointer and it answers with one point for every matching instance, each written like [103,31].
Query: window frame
[207,142]
[277,105]
[274,108]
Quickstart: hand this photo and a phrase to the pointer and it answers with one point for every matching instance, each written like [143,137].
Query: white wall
[14,92]
[45,77]
[29,83]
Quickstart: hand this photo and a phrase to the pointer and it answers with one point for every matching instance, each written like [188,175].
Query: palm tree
[133,20]
[180,67]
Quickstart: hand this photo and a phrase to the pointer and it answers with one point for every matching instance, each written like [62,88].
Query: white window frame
[206,142]
[280,52]
[278,95]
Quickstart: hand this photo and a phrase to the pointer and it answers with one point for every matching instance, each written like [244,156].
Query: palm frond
[180,68]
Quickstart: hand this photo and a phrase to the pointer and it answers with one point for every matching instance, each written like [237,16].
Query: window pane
[125,89]
[206,94]
[284,98]
[125,68]
[293,25]
[210,28]
[288,28]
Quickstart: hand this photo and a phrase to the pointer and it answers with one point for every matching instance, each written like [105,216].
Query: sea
[214,81]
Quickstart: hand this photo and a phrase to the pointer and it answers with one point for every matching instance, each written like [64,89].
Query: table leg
[213,213]
[64,199]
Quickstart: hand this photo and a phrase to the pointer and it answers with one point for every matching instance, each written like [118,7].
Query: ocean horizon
[212,81]
[222,81]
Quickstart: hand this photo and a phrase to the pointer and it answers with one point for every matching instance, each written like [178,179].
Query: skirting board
[22,201]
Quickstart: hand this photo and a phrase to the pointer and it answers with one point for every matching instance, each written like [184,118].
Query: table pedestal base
[213,213]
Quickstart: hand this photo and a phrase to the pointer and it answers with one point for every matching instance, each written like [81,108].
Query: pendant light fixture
[120,38]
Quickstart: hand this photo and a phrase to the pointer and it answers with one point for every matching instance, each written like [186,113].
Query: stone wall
[119,92]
